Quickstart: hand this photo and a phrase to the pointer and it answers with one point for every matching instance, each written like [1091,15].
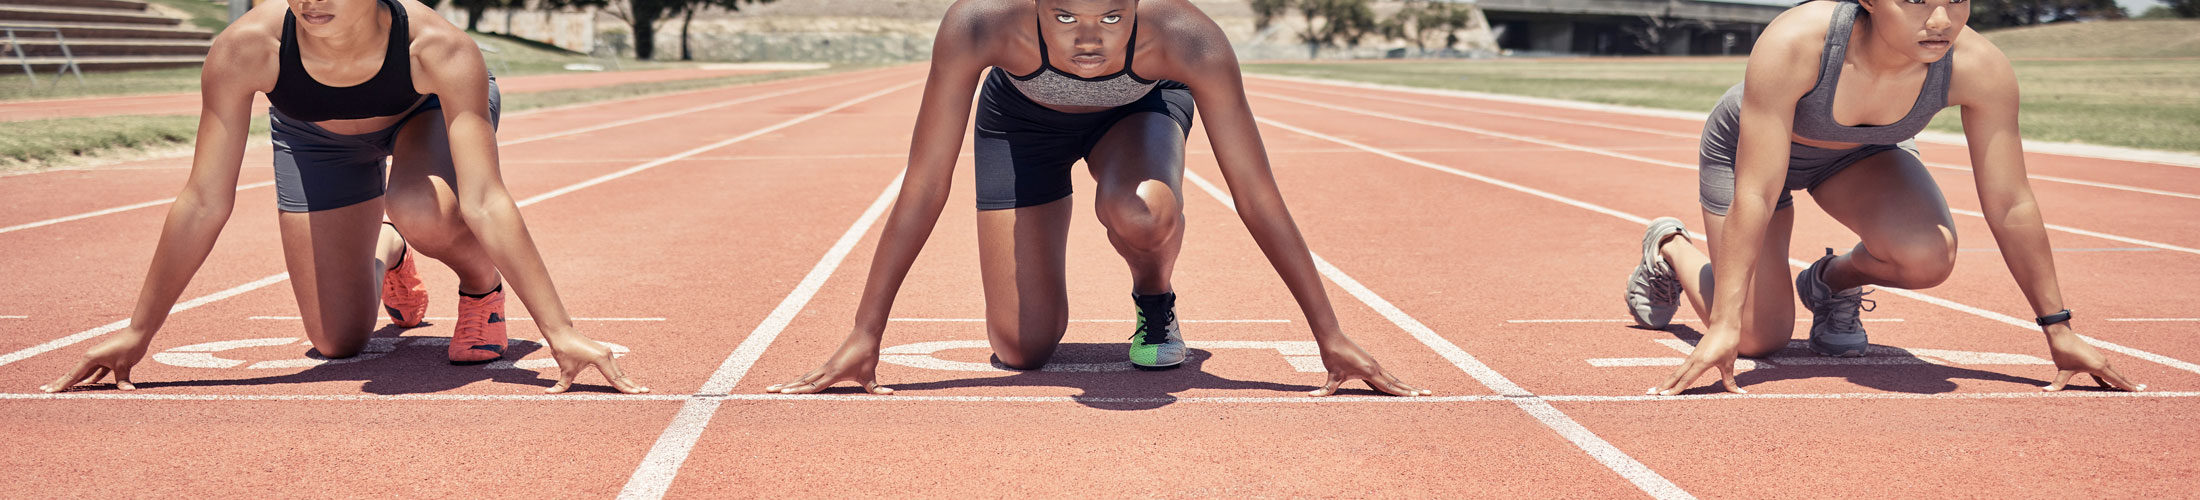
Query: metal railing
[68,59]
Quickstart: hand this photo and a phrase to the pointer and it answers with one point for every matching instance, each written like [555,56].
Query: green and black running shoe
[1156,345]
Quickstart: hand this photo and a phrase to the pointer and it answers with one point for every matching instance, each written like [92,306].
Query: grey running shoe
[1835,326]
[1156,344]
[1653,293]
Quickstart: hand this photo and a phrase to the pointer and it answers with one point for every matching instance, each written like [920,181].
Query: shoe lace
[470,316]
[1664,289]
[1845,310]
[1154,330]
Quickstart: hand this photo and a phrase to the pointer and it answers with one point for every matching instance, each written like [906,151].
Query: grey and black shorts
[1807,166]
[1025,150]
[316,169]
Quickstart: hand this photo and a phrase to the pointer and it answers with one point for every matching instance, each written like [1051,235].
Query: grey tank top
[1814,112]
[1052,87]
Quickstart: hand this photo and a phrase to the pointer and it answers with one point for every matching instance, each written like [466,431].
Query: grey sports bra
[1814,112]
[1052,87]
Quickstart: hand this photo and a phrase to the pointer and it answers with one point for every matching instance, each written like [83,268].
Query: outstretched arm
[233,72]
[1201,58]
[460,80]
[1988,94]
[958,58]
[1782,68]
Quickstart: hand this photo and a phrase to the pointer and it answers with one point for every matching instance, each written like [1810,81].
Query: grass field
[513,57]
[31,145]
[2130,83]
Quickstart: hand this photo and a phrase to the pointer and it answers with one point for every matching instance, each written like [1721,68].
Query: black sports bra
[388,93]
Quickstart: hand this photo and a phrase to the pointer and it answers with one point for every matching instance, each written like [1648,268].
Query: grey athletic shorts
[316,169]
[1807,166]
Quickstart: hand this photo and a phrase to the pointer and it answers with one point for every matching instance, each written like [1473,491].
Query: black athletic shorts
[1024,150]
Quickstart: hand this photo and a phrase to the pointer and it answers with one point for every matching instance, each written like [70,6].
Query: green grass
[518,57]
[204,14]
[2121,39]
[2097,83]
[39,144]
[35,143]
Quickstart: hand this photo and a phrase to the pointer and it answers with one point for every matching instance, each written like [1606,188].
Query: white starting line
[2078,392]
[1625,320]
[204,355]
[446,318]
[982,320]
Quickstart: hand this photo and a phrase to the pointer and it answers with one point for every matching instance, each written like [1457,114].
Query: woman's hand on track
[2073,356]
[116,355]
[1715,350]
[853,363]
[577,354]
[1347,362]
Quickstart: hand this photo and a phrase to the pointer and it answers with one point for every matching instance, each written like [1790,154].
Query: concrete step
[98,47]
[45,66]
[125,5]
[73,30]
[17,14]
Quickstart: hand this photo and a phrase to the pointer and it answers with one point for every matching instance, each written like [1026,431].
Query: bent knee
[1027,357]
[1144,217]
[1921,264]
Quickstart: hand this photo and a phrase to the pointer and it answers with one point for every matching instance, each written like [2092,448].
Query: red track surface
[188,103]
[734,249]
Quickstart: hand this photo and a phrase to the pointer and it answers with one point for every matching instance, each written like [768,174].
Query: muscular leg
[1768,321]
[1021,257]
[1139,165]
[423,203]
[336,258]
[1891,202]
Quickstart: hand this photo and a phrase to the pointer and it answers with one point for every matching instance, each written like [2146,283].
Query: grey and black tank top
[1053,87]
[1814,112]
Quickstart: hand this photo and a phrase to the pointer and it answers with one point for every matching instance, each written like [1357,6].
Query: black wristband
[2055,318]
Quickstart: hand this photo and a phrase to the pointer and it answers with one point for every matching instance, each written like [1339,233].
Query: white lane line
[74,338]
[514,142]
[654,475]
[2177,320]
[147,395]
[1668,133]
[1624,320]
[982,320]
[446,318]
[15,316]
[2166,158]
[2108,249]
[1603,452]
[2097,234]
[2004,318]
[278,278]
[1653,161]
[120,209]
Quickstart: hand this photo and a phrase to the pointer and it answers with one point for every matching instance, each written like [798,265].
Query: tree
[474,9]
[1990,14]
[1265,12]
[687,17]
[2184,8]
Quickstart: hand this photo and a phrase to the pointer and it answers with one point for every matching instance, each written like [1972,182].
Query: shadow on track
[1890,369]
[1123,388]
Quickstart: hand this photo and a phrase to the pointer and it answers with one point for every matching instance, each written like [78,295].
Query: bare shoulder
[246,53]
[433,37]
[1185,38]
[1800,31]
[1978,69]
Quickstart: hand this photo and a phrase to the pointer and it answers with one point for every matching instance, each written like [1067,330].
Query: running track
[1473,247]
